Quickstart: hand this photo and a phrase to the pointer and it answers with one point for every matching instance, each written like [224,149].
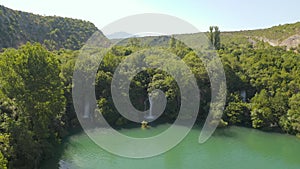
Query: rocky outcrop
[270,41]
[291,42]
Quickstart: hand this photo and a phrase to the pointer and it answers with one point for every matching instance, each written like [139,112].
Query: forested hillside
[282,35]
[287,35]
[17,28]
[36,105]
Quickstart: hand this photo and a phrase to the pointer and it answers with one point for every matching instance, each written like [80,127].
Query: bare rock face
[291,42]
[270,41]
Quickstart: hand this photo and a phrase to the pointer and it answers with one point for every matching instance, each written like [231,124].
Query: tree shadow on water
[225,132]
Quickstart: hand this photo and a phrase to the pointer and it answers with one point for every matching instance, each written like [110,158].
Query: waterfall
[86,112]
[150,115]
[151,106]
[243,95]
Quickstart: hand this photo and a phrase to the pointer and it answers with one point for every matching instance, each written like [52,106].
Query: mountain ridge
[17,28]
[54,32]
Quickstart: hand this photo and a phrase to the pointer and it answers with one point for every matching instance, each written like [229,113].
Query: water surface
[230,148]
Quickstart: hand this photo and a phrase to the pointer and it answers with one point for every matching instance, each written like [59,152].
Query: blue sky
[229,15]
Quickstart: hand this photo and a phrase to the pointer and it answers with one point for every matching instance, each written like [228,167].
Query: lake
[229,148]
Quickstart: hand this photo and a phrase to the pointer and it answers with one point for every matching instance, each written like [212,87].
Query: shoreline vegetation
[36,106]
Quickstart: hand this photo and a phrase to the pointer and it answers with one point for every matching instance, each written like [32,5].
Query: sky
[229,15]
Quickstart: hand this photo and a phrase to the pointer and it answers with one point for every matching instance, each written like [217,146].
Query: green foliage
[67,60]
[279,32]
[5,150]
[198,69]
[3,161]
[269,75]
[293,114]
[134,42]
[250,37]
[261,113]
[36,106]
[172,42]
[31,83]
[237,112]
[268,109]
[178,48]
[214,37]
[54,32]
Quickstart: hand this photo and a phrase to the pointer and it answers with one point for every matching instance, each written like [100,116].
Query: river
[229,148]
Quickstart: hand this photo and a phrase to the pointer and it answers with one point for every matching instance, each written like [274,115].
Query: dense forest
[17,28]
[36,106]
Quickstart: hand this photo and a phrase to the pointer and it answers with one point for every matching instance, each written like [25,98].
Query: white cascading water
[86,113]
[150,116]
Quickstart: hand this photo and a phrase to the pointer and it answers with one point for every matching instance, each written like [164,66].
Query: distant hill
[118,35]
[17,28]
[282,35]
[144,41]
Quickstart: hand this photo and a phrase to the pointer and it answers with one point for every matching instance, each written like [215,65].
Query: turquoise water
[230,148]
